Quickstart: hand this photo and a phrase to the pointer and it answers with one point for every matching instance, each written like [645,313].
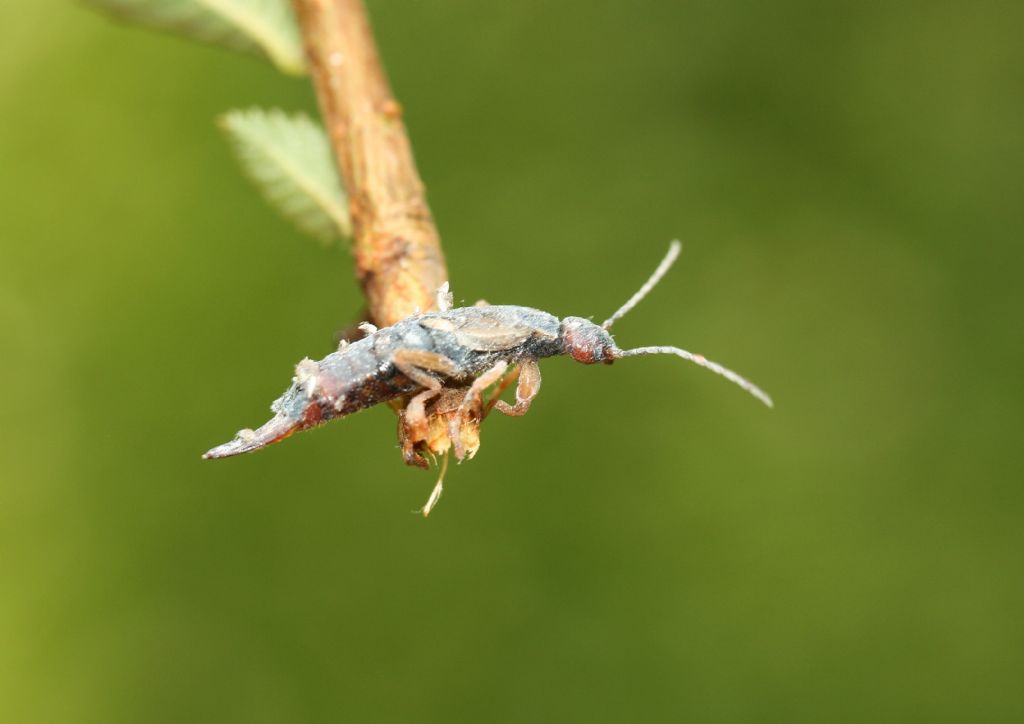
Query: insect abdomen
[360,375]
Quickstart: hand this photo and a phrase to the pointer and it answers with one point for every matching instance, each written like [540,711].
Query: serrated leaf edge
[266,35]
[335,209]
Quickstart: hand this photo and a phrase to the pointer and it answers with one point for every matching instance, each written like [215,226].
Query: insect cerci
[427,357]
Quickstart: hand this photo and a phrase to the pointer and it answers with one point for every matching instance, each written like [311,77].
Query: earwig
[466,349]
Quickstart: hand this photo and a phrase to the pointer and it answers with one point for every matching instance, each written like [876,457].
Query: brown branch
[397,251]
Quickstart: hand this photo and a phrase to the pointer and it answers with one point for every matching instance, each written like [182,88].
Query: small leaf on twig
[266,26]
[290,159]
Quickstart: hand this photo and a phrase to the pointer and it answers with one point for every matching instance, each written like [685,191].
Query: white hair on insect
[435,494]
[673,253]
[444,300]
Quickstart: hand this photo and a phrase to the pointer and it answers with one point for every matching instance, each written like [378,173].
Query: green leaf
[290,160]
[262,26]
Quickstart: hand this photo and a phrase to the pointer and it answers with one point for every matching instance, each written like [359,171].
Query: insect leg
[499,389]
[526,390]
[473,396]
[418,366]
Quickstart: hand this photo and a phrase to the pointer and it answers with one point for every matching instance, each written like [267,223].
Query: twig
[397,251]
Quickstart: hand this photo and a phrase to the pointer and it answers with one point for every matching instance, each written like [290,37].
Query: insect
[451,355]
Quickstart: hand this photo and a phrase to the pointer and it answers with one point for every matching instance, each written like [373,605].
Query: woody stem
[397,251]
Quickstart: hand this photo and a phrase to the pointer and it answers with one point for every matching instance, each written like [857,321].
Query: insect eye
[581,353]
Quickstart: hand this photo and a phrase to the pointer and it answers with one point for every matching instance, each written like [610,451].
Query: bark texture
[397,251]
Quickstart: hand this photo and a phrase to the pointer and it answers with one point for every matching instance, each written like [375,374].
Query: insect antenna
[703,362]
[673,253]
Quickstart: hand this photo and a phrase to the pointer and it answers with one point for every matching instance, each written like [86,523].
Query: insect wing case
[517,331]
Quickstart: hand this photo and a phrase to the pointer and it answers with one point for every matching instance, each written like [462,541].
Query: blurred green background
[649,543]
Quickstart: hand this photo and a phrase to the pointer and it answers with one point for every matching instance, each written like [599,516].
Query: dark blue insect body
[455,347]
[464,350]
